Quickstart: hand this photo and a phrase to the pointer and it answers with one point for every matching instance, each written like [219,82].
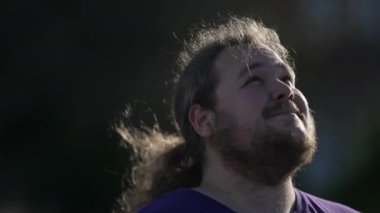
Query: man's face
[263,126]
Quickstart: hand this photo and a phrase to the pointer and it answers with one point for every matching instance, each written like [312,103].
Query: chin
[296,131]
[286,121]
[297,134]
[275,151]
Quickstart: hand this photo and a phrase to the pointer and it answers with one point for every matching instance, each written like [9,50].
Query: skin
[242,91]
[251,83]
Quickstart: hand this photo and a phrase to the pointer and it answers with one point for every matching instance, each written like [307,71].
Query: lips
[285,111]
[280,113]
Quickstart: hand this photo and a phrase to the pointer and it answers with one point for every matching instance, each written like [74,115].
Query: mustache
[282,107]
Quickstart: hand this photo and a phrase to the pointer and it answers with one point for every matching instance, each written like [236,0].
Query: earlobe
[201,120]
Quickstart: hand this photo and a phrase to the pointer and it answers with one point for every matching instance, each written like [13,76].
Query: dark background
[68,69]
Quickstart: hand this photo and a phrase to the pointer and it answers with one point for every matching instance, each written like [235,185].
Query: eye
[252,79]
[288,80]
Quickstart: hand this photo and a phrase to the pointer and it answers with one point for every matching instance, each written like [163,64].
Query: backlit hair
[166,161]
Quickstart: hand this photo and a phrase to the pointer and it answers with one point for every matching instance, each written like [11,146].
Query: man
[245,130]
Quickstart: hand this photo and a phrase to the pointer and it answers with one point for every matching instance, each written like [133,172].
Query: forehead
[232,59]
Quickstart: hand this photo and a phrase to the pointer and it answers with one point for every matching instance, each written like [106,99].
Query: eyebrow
[251,67]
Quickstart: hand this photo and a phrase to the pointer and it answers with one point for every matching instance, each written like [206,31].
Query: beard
[271,156]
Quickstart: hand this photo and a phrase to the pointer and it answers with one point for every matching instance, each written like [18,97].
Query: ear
[201,120]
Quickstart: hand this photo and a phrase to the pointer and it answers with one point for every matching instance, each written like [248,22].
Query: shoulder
[185,201]
[310,203]
[174,201]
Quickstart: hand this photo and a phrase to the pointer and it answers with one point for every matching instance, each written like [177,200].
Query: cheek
[253,100]
[249,108]
[301,102]
[245,106]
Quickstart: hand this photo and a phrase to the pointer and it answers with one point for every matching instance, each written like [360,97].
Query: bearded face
[265,155]
[263,129]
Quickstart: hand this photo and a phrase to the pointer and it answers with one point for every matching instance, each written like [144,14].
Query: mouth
[284,108]
[286,112]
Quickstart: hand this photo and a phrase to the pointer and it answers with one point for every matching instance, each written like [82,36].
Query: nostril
[281,96]
[291,96]
[282,91]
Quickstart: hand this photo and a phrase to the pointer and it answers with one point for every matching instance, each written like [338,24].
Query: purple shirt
[186,200]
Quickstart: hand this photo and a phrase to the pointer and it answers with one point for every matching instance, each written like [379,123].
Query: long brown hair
[163,161]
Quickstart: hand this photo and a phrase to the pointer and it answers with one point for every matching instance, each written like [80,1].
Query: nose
[282,91]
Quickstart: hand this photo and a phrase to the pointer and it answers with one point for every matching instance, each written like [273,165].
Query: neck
[240,194]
